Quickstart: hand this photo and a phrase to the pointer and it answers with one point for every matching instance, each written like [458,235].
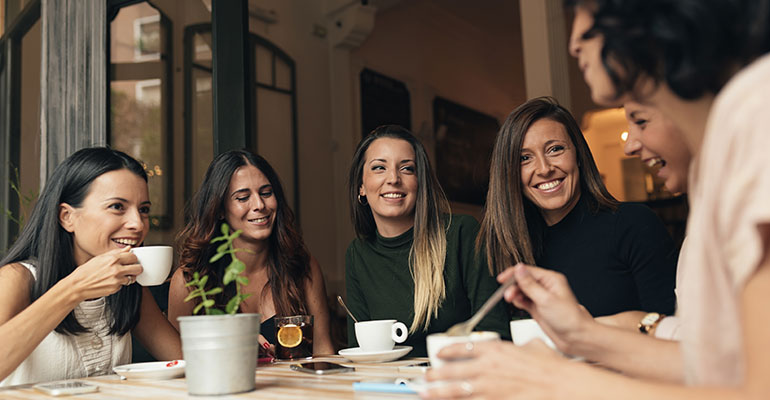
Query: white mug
[156,264]
[380,335]
[438,341]
[524,330]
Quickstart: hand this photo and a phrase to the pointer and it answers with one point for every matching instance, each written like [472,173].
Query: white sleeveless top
[89,353]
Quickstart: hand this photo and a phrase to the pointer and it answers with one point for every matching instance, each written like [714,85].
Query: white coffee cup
[524,330]
[438,341]
[156,264]
[380,335]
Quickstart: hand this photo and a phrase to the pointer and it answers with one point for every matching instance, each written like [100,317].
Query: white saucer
[151,370]
[355,354]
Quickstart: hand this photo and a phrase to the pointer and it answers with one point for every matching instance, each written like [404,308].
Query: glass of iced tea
[294,337]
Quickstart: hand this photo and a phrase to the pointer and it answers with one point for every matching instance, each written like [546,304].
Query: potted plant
[220,348]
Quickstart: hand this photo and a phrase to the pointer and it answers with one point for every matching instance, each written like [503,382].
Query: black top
[380,286]
[614,261]
[267,329]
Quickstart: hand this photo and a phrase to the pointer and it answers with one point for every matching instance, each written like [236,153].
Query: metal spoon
[465,328]
[342,303]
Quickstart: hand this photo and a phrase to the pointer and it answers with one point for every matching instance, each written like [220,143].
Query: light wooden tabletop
[274,381]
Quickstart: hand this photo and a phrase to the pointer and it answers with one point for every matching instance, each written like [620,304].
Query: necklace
[96,344]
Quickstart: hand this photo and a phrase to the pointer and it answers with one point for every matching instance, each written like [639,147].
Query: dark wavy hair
[512,228]
[46,244]
[694,46]
[288,260]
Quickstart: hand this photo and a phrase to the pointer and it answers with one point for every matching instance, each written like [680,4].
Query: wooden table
[274,381]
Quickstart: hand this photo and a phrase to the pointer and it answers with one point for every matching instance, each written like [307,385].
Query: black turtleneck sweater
[614,261]
[379,285]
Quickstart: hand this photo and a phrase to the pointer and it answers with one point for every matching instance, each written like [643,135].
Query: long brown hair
[428,252]
[512,228]
[288,266]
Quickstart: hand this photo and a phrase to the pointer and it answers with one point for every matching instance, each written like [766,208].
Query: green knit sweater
[380,286]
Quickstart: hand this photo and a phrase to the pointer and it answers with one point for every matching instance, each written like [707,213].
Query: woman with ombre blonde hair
[412,261]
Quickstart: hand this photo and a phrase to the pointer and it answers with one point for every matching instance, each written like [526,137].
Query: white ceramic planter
[220,352]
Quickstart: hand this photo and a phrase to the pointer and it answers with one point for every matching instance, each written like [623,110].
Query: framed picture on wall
[464,142]
[384,101]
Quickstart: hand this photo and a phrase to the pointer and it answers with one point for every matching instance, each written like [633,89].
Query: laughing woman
[705,65]
[547,205]
[68,305]
[412,261]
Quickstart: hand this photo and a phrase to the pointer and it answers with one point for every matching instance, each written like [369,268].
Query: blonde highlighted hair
[431,219]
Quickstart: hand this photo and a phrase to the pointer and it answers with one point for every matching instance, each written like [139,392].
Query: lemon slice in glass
[289,335]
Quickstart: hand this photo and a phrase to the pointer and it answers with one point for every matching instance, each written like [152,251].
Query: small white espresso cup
[156,264]
[524,330]
[380,335]
[438,341]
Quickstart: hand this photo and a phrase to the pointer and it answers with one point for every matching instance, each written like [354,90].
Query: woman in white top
[68,304]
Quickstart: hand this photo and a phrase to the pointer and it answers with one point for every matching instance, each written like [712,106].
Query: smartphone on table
[65,388]
[321,368]
[420,367]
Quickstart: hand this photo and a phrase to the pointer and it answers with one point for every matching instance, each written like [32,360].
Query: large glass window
[274,124]
[199,122]
[2,17]
[139,103]
[28,172]
[19,117]
[13,8]
[273,117]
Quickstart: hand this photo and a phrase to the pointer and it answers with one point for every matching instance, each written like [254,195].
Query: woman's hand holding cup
[105,274]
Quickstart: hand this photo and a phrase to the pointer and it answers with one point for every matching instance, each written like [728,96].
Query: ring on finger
[469,347]
[130,280]
[467,388]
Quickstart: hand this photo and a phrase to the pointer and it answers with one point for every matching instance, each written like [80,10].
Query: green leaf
[191,283]
[223,247]
[236,234]
[214,291]
[230,276]
[237,265]
[225,229]
[197,308]
[216,257]
[217,239]
[242,280]
[215,311]
[232,305]
[191,296]
[208,303]
[203,281]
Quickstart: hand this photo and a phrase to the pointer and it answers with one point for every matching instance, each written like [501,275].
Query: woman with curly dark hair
[242,189]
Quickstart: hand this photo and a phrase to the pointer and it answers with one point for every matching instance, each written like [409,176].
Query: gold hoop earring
[363,203]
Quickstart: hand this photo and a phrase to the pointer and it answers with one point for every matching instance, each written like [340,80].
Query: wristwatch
[649,322]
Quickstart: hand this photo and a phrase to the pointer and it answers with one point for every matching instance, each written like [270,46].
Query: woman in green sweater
[412,261]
